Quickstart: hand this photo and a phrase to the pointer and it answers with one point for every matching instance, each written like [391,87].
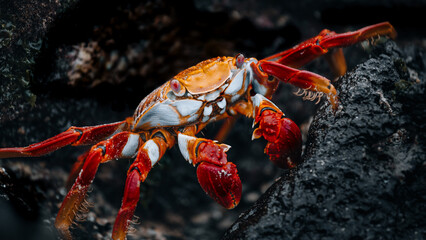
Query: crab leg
[283,135]
[314,47]
[300,78]
[218,177]
[129,202]
[148,155]
[337,62]
[75,170]
[124,144]
[74,136]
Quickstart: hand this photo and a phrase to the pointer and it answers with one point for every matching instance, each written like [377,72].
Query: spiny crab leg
[302,79]
[47,146]
[124,144]
[218,177]
[74,136]
[314,47]
[148,155]
[75,197]
[129,202]
[350,38]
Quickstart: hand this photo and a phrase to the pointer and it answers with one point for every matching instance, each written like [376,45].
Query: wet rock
[364,167]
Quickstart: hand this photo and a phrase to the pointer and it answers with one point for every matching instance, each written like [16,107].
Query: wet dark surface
[74,63]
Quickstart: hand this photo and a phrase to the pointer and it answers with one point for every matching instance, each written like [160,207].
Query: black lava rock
[364,168]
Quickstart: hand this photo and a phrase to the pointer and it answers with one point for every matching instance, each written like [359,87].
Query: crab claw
[284,139]
[221,183]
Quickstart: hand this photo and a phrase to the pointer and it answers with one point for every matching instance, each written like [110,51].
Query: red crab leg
[124,144]
[299,78]
[314,47]
[74,136]
[75,170]
[283,135]
[148,155]
[218,177]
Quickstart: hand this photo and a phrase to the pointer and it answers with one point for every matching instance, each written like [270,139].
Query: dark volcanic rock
[364,170]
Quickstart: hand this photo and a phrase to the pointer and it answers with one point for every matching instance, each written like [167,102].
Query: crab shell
[207,75]
[207,89]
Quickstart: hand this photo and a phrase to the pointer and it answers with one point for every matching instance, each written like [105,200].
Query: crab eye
[239,60]
[177,87]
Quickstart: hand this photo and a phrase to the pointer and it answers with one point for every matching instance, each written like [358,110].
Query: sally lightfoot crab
[214,89]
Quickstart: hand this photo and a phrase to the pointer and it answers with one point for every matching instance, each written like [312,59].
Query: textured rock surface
[364,170]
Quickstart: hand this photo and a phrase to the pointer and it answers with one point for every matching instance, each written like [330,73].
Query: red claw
[221,183]
[284,139]
[285,152]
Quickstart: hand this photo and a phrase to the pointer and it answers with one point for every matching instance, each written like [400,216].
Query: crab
[215,89]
